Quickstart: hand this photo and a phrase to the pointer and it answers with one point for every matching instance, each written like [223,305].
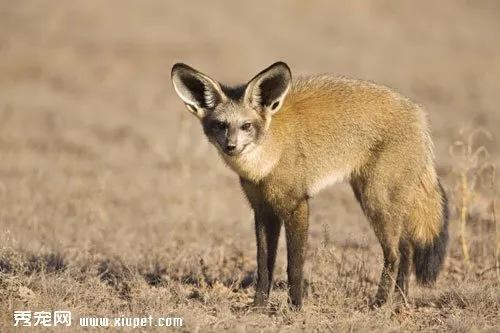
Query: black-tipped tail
[429,259]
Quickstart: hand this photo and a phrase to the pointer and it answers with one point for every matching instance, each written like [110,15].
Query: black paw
[377,304]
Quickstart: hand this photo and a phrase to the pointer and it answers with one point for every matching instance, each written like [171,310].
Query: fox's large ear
[268,89]
[199,92]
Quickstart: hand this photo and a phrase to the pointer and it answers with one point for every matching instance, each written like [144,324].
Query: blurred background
[99,158]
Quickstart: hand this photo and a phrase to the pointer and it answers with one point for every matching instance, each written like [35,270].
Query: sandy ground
[113,203]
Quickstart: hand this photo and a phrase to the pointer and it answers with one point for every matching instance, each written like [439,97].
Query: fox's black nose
[230,147]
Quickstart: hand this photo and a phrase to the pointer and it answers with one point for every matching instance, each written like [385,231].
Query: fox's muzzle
[230,149]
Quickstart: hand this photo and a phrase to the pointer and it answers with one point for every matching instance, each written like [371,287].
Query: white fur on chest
[319,184]
[253,165]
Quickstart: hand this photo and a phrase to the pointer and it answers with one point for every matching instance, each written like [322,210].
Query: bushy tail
[429,259]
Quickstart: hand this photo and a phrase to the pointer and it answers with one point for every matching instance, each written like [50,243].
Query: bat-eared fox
[288,138]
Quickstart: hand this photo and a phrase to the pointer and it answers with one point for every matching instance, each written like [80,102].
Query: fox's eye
[220,125]
[246,126]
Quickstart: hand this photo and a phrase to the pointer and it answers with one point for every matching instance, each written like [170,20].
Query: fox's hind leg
[386,220]
[402,282]
[389,240]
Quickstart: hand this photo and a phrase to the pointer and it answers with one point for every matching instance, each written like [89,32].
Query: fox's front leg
[296,227]
[267,231]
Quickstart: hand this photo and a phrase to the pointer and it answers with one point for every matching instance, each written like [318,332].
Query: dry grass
[112,203]
[472,168]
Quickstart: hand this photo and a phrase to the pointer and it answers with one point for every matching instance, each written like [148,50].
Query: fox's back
[330,127]
[326,105]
